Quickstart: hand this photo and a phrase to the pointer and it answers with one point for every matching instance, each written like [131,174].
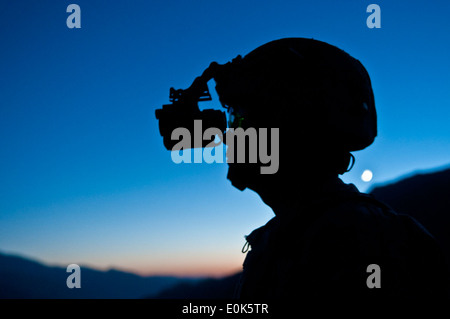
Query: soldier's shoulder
[358,207]
[360,215]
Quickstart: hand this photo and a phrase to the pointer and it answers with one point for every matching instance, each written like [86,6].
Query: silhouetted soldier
[325,234]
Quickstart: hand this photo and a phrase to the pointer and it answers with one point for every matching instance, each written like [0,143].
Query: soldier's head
[318,96]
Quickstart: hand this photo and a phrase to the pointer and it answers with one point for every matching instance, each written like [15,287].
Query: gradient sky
[84,175]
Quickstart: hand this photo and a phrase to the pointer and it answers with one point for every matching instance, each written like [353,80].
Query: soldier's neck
[292,198]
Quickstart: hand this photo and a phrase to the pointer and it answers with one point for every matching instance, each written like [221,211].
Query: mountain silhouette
[424,196]
[210,288]
[28,279]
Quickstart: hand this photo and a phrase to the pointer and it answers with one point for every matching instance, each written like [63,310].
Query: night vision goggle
[184,110]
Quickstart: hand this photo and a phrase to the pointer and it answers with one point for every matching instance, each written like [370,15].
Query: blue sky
[84,175]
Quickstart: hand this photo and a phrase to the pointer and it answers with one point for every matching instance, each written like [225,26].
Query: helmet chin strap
[352,160]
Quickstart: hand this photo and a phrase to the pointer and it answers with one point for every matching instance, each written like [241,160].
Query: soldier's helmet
[317,93]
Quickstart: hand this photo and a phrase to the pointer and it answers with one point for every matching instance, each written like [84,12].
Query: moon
[367,176]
